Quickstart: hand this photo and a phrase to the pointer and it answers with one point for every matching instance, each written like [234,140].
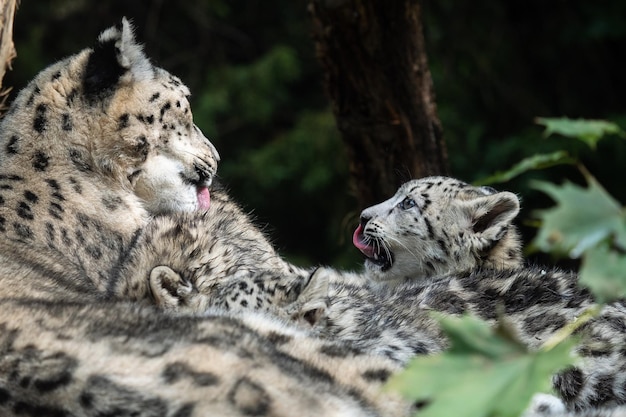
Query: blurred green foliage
[486,372]
[257,93]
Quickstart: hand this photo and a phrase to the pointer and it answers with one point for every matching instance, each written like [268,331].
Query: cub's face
[433,226]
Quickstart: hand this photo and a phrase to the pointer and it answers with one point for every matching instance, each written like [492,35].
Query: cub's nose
[365,219]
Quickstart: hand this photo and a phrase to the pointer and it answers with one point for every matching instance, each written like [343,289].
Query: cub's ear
[492,215]
[168,288]
[311,305]
[116,57]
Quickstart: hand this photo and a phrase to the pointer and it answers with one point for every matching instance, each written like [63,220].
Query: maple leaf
[582,218]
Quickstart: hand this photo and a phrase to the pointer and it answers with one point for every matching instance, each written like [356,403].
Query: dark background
[257,94]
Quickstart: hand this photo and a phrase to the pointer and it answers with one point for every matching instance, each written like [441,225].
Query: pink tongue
[204,198]
[357,240]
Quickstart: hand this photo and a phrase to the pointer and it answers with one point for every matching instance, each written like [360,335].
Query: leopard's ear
[169,289]
[115,58]
[492,215]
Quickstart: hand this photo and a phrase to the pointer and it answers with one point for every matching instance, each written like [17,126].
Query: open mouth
[372,248]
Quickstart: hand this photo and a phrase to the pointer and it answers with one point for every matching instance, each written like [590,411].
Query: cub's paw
[169,290]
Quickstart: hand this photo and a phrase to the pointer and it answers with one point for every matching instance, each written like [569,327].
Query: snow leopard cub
[438,225]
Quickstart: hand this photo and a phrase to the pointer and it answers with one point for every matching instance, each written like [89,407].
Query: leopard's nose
[204,172]
[365,219]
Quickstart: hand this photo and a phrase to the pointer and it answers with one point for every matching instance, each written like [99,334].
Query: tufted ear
[312,303]
[115,57]
[492,215]
[168,288]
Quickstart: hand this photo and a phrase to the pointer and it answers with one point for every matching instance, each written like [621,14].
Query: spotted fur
[65,359]
[395,322]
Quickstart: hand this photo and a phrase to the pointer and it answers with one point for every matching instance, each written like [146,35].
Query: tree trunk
[7,49]
[377,78]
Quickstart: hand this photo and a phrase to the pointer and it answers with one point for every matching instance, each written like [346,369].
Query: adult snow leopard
[90,150]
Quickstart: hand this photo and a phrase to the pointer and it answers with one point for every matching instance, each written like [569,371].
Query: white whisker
[385,246]
[406,247]
[379,244]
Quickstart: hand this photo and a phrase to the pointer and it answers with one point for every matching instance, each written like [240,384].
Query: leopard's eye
[486,190]
[407,203]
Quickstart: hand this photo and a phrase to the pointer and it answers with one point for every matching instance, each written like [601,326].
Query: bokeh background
[258,95]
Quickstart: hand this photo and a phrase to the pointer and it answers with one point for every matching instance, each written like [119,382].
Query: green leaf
[581,219]
[470,334]
[588,131]
[474,380]
[602,271]
[541,161]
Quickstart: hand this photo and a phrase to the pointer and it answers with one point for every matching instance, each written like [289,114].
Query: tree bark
[7,49]
[377,78]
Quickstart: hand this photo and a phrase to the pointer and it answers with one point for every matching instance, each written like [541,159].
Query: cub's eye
[407,203]
[486,190]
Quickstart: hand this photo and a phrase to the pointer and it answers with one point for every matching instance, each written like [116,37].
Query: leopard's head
[435,226]
[156,146]
[110,116]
